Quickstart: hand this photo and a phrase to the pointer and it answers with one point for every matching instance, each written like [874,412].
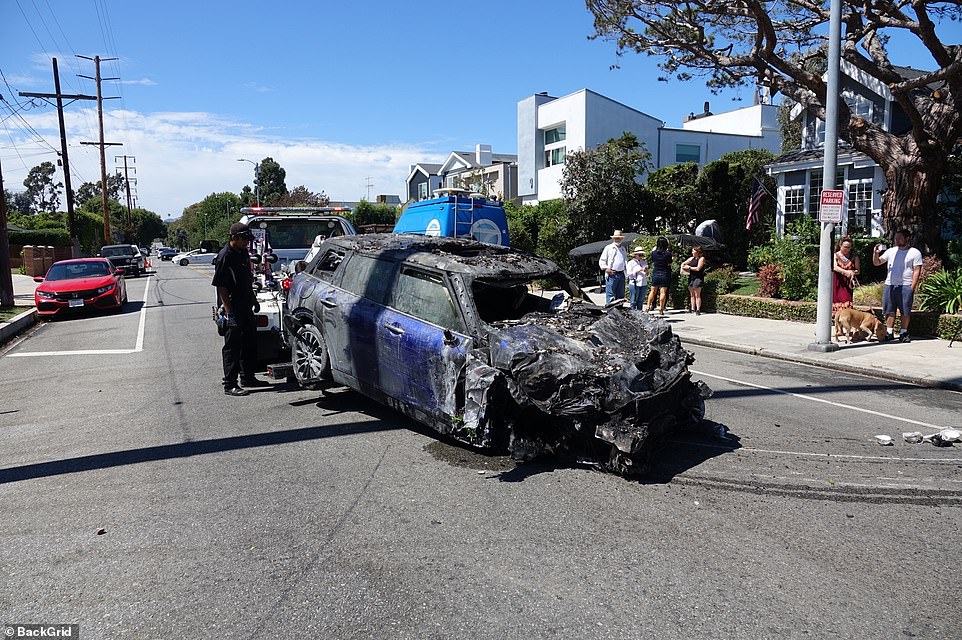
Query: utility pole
[71,222]
[6,279]
[103,145]
[368,184]
[823,307]
[130,200]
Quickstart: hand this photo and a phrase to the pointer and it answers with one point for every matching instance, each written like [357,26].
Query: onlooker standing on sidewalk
[660,276]
[695,268]
[613,261]
[845,269]
[638,278]
[904,268]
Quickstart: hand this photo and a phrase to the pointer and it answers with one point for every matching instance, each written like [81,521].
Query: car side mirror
[119,272]
[38,278]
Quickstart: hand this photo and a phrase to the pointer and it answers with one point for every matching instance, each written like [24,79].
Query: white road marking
[98,352]
[822,400]
[815,454]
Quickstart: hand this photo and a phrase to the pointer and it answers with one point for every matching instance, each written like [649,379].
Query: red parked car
[75,285]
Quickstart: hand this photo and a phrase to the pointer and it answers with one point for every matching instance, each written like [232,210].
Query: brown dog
[852,322]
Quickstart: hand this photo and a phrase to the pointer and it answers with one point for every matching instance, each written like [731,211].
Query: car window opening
[498,301]
[425,296]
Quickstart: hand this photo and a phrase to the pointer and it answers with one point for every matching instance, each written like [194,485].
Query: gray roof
[475,259]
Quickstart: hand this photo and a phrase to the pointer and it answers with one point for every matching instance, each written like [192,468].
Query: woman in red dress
[846,268]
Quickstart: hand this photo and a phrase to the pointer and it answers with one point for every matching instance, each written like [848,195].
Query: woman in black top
[660,269]
[695,268]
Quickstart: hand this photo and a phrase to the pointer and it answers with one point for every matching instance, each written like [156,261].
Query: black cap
[240,229]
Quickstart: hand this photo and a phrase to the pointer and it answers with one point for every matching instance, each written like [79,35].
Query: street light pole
[823,310]
[257,179]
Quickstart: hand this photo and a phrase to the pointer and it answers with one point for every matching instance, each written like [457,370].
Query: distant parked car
[82,284]
[197,256]
[166,253]
[125,256]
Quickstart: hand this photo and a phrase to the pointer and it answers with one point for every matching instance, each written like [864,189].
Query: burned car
[492,346]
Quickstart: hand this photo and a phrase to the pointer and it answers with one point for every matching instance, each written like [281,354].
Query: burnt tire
[309,357]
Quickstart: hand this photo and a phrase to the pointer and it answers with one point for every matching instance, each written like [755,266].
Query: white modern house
[549,128]
[494,174]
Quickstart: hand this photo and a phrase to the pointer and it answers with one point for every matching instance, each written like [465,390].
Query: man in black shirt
[234,282]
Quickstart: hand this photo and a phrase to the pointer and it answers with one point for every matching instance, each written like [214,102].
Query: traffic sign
[832,203]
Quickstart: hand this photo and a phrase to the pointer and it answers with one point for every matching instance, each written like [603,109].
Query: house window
[423,191]
[794,203]
[687,153]
[815,190]
[554,156]
[858,104]
[860,205]
[556,134]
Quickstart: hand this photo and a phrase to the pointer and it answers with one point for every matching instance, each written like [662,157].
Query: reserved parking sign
[832,203]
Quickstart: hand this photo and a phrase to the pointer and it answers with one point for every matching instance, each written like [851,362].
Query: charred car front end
[494,347]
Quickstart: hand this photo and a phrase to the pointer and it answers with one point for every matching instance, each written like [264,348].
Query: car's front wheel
[309,357]
[184,262]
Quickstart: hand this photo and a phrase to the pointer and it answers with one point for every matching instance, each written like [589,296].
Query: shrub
[42,237]
[797,260]
[868,295]
[930,265]
[725,279]
[942,291]
[770,281]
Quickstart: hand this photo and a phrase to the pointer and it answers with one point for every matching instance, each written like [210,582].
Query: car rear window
[369,278]
[116,251]
[424,295]
[300,234]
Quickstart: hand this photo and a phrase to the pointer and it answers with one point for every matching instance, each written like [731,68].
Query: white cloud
[146,82]
[258,88]
[182,157]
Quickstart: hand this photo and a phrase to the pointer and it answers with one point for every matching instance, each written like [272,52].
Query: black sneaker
[888,337]
[236,391]
[254,382]
[905,338]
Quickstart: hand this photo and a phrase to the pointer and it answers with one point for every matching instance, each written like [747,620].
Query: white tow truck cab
[281,237]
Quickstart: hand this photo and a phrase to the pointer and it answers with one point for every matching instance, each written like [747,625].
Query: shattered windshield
[510,299]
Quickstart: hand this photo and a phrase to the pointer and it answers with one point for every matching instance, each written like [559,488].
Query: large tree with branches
[746,42]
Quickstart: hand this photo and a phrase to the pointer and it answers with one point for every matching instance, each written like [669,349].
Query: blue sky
[337,92]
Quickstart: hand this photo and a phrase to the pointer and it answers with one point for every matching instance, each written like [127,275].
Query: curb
[825,364]
[18,324]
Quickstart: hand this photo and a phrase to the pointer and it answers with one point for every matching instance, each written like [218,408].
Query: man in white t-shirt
[904,268]
[613,261]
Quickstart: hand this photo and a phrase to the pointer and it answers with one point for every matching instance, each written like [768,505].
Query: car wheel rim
[309,359]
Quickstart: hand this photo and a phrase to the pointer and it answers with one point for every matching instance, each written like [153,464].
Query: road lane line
[812,454]
[98,352]
[822,400]
[143,319]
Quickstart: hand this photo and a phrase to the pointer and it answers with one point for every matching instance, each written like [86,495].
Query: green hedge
[924,323]
[766,308]
[41,237]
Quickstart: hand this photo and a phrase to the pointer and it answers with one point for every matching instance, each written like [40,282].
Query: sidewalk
[927,362]
[23,288]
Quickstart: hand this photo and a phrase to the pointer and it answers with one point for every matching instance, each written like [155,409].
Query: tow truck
[282,237]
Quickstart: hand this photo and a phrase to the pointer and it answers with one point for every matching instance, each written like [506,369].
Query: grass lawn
[746,286]
[9,312]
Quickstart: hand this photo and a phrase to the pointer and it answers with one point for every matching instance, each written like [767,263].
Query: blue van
[455,213]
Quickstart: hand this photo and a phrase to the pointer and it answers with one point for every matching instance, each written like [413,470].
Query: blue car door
[422,343]
[359,307]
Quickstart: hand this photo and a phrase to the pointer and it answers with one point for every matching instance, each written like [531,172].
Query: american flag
[755,204]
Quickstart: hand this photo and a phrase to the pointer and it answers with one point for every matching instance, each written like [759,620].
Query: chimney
[707,112]
[482,154]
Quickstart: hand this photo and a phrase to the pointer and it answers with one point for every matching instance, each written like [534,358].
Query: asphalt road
[290,512]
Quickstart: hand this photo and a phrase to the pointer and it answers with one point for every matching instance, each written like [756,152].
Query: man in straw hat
[613,261]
